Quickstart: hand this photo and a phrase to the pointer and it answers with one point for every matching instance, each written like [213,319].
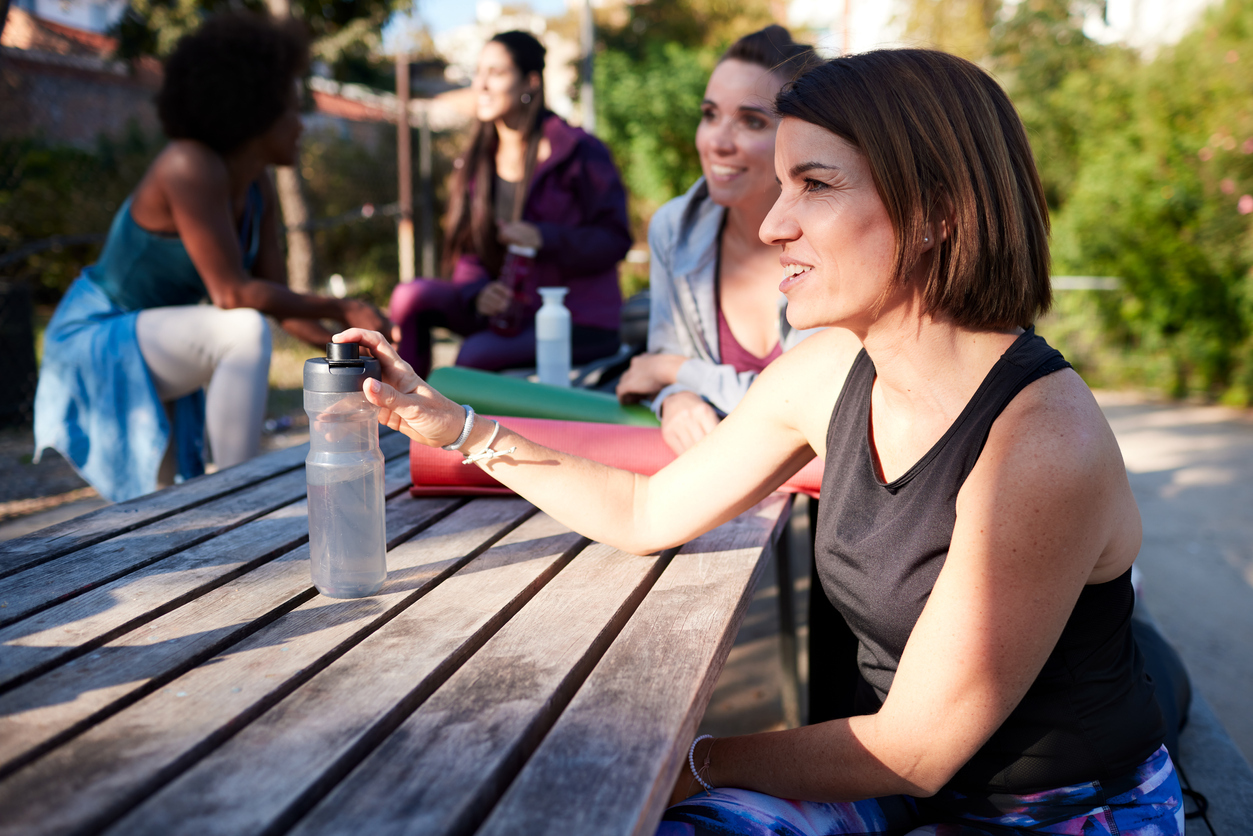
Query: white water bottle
[552,338]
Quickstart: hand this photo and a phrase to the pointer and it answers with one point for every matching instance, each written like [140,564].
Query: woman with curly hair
[130,346]
[534,202]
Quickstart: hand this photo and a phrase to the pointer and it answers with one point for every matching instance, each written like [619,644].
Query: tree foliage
[962,27]
[1162,199]
[346,34]
[650,77]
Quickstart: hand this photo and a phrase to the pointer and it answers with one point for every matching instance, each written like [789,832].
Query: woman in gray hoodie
[717,316]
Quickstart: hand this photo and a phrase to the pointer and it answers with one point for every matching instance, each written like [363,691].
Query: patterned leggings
[1147,802]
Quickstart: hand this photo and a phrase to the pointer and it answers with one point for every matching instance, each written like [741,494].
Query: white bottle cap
[556,295]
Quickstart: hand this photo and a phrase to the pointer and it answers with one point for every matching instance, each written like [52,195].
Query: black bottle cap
[337,353]
[343,369]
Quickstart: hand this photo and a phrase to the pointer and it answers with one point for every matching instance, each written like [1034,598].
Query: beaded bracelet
[691,761]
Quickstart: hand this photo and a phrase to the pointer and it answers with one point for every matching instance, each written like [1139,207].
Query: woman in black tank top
[976,526]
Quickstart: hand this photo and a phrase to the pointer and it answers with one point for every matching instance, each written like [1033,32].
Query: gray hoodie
[683,318]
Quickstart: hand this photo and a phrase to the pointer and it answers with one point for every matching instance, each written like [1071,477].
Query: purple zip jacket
[578,203]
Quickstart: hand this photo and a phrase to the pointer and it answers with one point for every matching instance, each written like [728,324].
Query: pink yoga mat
[437,472]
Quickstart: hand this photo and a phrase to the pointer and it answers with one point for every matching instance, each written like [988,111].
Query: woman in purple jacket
[535,202]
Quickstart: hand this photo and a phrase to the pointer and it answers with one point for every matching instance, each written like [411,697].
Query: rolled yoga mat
[437,472]
[497,394]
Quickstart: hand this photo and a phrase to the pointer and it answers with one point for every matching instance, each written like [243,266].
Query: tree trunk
[291,197]
[295,205]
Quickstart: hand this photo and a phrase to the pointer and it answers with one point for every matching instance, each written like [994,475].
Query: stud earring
[926,240]
[526,98]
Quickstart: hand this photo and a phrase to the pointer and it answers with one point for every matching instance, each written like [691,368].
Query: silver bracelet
[487,453]
[691,761]
[465,430]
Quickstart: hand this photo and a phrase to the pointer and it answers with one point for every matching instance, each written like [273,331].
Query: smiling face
[838,242]
[736,135]
[498,85]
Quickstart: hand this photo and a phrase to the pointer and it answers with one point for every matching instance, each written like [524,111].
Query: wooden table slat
[106,523]
[461,748]
[40,715]
[35,644]
[596,770]
[266,775]
[100,774]
[110,521]
[53,582]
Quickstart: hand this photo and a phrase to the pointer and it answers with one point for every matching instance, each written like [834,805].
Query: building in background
[60,82]
[88,15]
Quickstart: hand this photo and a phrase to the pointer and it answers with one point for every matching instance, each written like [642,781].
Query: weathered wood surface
[49,710]
[101,774]
[51,636]
[179,674]
[611,760]
[276,768]
[461,748]
[51,582]
[106,523]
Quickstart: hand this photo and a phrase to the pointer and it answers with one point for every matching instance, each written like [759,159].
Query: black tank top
[1090,714]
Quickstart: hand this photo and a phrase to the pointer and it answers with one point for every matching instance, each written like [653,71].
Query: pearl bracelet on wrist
[691,761]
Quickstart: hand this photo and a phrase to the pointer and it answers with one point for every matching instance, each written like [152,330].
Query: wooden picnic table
[167,667]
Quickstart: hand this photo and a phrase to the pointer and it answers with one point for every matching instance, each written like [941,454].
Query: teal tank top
[139,269]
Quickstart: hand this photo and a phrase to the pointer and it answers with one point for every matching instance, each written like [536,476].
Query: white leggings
[225,352]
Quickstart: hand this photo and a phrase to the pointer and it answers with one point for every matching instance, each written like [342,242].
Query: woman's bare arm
[271,266]
[196,185]
[767,439]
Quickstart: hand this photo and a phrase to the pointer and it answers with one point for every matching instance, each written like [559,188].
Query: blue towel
[105,417]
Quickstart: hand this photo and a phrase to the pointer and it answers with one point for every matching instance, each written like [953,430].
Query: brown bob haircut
[943,141]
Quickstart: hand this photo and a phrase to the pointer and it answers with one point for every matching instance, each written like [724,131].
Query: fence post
[404,167]
[428,199]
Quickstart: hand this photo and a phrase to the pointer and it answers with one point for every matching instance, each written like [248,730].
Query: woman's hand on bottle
[406,403]
[494,299]
[358,313]
[521,233]
[686,418]
[647,375]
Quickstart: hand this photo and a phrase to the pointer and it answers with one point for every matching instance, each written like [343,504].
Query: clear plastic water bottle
[344,472]
[552,338]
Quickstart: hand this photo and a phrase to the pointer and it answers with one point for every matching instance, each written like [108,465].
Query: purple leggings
[423,304]
[1147,802]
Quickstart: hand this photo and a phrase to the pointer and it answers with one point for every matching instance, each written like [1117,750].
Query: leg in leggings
[422,304]
[225,352]
[1145,802]
[492,352]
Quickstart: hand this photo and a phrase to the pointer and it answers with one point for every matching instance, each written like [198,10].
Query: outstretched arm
[712,483]
[196,186]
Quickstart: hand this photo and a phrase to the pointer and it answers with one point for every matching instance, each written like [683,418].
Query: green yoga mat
[498,394]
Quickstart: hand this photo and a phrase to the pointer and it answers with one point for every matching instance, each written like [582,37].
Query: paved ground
[1191,468]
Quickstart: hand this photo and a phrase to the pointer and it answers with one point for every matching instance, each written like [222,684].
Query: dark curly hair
[231,79]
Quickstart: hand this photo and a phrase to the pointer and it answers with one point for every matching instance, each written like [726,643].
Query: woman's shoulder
[1055,418]
[809,378]
[191,163]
